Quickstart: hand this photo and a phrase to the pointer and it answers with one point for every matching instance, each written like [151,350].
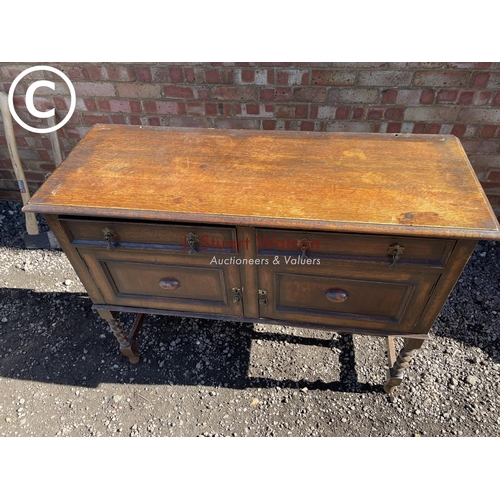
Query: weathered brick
[225,93]
[442,78]
[432,65]
[458,130]
[487,161]
[488,131]
[189,75]
[112,73]
[447,96]
[285,111]
[419,128]
[347,96]
[433,128]
[176,75]
[337,78]
[118,119]
[466,98]
[277,94]
[118,106]
[350,126]
[214,76]
[343,113]
[494,81]
[496,99]
[94,89]
[494,176]
[93,119]
[427,96]
[408,97]
[477,115]
[238,123]
[276,64]
[431,114]
[389,96]
[385,78]
[393,113]
[358,113]
[393,128]
[269,124]
[327,112]
[143,74]
[309,94]
[307,126]
[488,147]
[292,77]
[374,114]
[190,121]
[178,92]
[460,65]
[195,108]
[480,80]
[252,109]
[356,64]
[138,90]
[251,76]
[154,121]
[164,107]
[210,109]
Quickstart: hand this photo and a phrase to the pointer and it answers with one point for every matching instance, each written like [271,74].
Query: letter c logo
[30,99]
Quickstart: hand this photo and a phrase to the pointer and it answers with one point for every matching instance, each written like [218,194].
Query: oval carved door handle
[336,295]
[169,284]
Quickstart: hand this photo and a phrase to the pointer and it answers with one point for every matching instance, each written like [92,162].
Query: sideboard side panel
[75,259]
[457,262]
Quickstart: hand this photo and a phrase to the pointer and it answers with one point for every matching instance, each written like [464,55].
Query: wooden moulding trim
[240,319]
[275,223]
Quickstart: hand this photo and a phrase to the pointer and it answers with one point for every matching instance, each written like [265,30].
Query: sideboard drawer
[151,236]
[151,280]
[374,300]
[377,249]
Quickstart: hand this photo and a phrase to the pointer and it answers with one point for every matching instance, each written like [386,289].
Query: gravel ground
[61,373]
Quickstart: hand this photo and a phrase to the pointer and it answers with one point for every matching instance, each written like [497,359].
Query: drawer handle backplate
[109,234]
[336,295]
[304,244]
[192,240]
[169,284]
[236,295]
[395,251]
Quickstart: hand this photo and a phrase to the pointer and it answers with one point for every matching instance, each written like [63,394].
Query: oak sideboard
[357,233]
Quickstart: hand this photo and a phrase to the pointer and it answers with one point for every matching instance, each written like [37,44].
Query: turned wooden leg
[398,365]
[128,347]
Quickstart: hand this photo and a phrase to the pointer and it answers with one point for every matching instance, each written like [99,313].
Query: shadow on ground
[57,338]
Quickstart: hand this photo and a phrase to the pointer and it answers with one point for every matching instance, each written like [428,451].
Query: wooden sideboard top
[420,185]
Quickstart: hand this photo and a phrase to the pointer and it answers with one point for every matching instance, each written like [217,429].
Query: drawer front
[149,280]
[151,236]
[354,299]
[345,247]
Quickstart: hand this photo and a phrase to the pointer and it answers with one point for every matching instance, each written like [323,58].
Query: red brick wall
[448,98]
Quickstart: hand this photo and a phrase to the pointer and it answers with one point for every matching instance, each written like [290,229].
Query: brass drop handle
[169,284]
[304,244]
[192,240]
[395,251]
[109,234]
[336,295]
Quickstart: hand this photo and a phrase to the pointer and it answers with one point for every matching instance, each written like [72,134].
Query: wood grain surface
[418,185]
